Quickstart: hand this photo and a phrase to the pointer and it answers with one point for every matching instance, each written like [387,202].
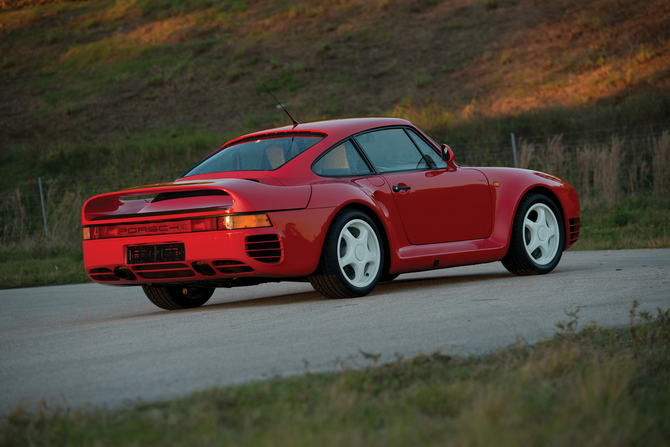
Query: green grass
[41,268]
[641,221]
[159,155]
[596,387]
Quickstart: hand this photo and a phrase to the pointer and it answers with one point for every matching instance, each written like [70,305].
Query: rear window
[258,155]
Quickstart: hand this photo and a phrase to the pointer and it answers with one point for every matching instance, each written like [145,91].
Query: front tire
[176,297]
[538,237]
[352,257]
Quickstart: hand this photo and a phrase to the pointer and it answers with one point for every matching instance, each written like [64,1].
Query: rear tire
[538,237]
[176,297]
[352,257]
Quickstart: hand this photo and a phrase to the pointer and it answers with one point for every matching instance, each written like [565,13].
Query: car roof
[339,128]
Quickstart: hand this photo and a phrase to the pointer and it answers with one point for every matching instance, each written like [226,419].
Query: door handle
[397,188]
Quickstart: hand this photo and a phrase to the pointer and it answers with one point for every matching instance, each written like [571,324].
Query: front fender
[513,185]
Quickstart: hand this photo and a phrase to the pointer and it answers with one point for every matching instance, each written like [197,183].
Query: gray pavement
[91,344]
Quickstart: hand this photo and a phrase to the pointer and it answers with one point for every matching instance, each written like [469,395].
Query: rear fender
[374,198]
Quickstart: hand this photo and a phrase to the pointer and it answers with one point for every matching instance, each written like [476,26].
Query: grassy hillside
[101,71]
[100,95]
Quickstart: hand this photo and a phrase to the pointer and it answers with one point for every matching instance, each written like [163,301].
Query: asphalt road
[110,346]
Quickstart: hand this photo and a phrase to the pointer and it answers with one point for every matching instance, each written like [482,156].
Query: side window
[341,161]
[391,150]
[427,150]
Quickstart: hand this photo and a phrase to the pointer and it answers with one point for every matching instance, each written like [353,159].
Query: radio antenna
[295,123]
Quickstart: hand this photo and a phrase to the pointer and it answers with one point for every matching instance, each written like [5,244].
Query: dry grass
[526,152]
[426,115]
[661,165]
[22,225]
[13,217]
[554,158]
[585,167]
[606,172]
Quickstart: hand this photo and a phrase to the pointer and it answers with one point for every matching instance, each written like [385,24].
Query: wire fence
[601,167]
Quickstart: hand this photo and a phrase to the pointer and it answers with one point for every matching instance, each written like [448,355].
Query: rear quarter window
[341,161]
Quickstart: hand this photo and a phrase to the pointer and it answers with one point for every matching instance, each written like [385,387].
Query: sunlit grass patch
[101,51]
[429,116]
[123,46]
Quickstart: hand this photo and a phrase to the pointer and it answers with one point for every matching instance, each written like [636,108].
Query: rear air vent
[264,248]
[202,268]
[187,194]
[575,226]
[163,271]
[102,274]
[232,267]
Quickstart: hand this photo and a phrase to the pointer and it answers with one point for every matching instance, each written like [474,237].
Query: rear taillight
[239,221]
[229,222]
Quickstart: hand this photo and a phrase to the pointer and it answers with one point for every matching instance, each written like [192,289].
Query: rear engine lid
[202,198]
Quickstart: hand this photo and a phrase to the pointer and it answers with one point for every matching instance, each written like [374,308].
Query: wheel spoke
[349,258]
[533,244]
[363,237]
[349,238]
[371,255]
[360,272]
[541,217]
[551,232]
[532,225]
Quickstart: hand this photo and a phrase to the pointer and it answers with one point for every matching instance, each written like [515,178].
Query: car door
[436,204]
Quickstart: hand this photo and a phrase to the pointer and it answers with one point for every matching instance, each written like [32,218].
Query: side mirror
[447,153]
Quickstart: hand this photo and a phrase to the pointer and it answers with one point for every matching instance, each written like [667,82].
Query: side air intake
[265,248]
[575,226]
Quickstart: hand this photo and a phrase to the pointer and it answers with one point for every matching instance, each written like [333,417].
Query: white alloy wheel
[358,253]
[541,233]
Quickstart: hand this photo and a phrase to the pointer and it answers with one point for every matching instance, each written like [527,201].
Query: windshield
[258,155]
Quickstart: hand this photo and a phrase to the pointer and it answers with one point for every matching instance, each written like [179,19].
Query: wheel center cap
[542,234]
[360,253]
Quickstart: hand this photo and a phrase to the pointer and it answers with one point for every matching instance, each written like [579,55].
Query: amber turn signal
[238,221]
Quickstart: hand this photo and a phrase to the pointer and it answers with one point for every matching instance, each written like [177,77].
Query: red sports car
[344,204]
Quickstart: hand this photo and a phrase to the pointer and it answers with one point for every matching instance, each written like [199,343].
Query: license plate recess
[149,254]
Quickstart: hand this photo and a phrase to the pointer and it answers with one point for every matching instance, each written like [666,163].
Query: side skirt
[415,258]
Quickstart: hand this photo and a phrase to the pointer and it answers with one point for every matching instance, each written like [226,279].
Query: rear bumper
[289,249]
